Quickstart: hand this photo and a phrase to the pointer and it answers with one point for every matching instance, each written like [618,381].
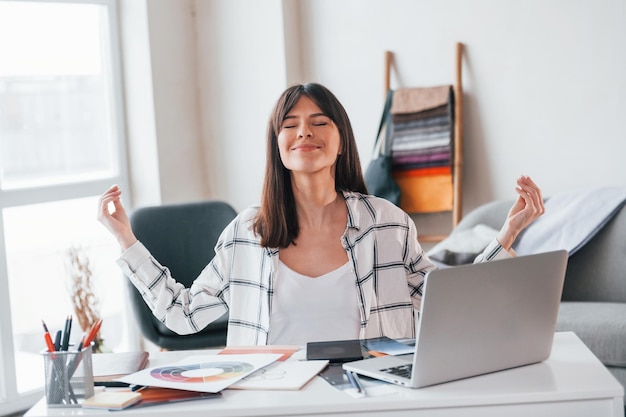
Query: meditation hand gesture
[117,222]
[527,208]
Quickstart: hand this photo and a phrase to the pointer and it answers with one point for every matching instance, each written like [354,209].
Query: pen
[57,340]
[352,382]
[355,381]
[85,341]
[81,344]
[73,366]
[48,338]
[66,333]
[93,332]
[76,359]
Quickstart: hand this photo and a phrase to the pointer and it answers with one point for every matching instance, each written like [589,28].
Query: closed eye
[320,120]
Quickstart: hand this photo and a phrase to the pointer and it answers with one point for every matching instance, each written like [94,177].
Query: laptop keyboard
[400,370]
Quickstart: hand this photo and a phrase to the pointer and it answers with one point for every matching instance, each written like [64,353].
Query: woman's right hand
[117,221]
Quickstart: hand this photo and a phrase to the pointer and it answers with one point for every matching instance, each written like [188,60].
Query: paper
[285,350]
[387,346]
[116,400]
[289,375]
[205,373]
[108,366]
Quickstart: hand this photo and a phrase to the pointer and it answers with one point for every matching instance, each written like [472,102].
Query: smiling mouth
[305,148]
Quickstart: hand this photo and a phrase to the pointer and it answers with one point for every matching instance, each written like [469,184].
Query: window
[61,146]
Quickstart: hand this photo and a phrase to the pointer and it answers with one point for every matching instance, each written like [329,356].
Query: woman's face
[308,140]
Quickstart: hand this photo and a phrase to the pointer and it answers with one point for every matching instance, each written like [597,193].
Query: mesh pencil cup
[69,377]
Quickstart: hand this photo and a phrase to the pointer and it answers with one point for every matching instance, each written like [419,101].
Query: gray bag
[378,178]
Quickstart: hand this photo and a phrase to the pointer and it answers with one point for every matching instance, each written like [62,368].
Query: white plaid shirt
[388,263]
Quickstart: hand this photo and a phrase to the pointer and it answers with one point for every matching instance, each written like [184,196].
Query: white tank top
[306,309]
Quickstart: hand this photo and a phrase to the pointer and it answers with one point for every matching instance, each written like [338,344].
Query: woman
[319,259]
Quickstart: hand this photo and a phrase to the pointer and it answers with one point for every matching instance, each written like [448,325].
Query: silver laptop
[479,318]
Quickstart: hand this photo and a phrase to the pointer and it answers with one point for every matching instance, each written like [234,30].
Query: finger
[524,197]
[533,204]
[105,200]
[117,204]
[532,201]
[112,189]
[535,192]
[108,198]
[528,185]
[113,192]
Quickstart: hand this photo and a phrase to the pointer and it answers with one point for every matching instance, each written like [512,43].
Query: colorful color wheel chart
[203,372]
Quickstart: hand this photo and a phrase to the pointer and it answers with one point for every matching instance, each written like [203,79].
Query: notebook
[477,319]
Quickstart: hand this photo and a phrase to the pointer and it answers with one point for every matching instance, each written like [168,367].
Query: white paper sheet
[205,373]
[287,375]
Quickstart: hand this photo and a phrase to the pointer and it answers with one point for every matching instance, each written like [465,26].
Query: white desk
[572,382]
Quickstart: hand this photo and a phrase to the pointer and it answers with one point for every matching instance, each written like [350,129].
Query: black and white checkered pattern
[381,241]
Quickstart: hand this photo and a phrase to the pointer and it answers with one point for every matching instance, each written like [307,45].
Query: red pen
[93,332]
[48,338]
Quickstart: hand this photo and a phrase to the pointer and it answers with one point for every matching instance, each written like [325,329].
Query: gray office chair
[181,237]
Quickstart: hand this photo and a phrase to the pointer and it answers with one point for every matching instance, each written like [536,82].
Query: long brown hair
[277,220]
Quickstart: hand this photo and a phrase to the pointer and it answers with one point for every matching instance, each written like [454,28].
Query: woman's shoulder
[248,214]
[241,225]
[379,209]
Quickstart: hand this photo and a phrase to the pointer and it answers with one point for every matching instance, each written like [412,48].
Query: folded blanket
[416,99]
[423,172]
[426,151]
[424,144]
[571,220]
[425,194]
[423,134]
[424,123]
[439,111]
[417,159]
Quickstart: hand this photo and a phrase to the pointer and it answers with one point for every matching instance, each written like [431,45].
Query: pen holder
[69,377]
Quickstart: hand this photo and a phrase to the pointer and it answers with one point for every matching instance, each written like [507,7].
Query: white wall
[544,82]
[241,72]
[177,114]
[162,101]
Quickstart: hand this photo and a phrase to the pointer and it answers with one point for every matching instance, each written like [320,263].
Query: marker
[81,344]
[66,333]
[48,338]
[57,340]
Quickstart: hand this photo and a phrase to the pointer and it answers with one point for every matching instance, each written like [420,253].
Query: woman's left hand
[527,208]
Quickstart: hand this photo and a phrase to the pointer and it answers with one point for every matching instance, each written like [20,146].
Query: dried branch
[80,288]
